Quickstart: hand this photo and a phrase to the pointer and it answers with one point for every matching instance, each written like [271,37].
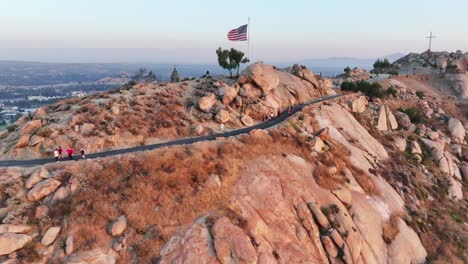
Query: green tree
[381,66]
[230,59]
[347,69]
[150,77]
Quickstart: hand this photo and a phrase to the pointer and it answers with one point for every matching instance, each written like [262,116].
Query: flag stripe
[238,34]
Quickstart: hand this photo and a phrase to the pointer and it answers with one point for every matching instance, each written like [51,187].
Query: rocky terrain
[152,113]
[352,180]
[451,68]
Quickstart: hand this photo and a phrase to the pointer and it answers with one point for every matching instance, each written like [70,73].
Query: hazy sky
[190,31]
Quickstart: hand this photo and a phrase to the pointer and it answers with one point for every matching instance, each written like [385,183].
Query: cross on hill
[430,40]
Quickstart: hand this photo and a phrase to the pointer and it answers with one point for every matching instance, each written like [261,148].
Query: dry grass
[390,228]
[365,181]
[162,191]
[337,157]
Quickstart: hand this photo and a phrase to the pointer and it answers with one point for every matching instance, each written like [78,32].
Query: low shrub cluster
[415,115]
[373,90]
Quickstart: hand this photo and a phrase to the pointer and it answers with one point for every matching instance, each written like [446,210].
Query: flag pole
[248,40]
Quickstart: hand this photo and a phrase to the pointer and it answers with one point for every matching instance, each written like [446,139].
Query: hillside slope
[327,186]
[151,113]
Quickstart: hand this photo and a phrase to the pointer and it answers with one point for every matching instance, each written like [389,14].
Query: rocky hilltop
[150,113]
[452,67]
[432,62]
[352,180]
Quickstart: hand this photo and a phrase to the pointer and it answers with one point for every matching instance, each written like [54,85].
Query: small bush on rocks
[391,91]
[415,115]
[420,94]
[373,90]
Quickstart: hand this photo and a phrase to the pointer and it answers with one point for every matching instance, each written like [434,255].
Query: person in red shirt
[60,152]
[70,153]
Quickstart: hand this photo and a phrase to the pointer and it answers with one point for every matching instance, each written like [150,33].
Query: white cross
[430,40]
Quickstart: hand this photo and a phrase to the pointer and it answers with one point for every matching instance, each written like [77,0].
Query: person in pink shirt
[70,153]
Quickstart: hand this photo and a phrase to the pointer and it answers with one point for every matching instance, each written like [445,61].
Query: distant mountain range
[19,73]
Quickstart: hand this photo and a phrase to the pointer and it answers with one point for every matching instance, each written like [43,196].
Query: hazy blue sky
[190,31]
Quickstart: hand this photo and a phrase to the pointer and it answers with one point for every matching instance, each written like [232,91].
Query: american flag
[238,34]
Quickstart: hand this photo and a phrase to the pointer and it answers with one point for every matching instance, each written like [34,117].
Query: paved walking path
[267,124]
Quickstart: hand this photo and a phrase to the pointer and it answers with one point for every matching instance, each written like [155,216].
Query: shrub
[456,217]
[381,66]
[348,86]
[391,91]
[325,211]
[12,127]
[44,132]
[415,115]
[420,94]
[393,72]
[373,90]
[347,70]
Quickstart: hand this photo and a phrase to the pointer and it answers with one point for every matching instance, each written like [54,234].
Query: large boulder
[262,75]
[86,129]
[11,228]
[207,102]
[358,105]
[119,226]
[34,140]
[223,116]
[386,120]
[196,246]
[441,157]
[456,128]
[61,194]
[42,189]
[229,93]
[400,143]
[305,74]
[247,120]
[403,119]
[37,176]
[23,141]
[406,246]
[10,242]
[250,90]
[50,235]
[455,190]
[30,126]
[232,245]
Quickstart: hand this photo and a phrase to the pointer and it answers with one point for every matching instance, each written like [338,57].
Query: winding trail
[267,124]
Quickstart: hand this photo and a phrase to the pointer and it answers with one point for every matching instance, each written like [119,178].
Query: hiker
[60,152]
[222,127]
[82,153]
[56,154]
[70,153]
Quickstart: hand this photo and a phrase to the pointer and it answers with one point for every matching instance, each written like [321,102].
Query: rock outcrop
[119,226]
[10,242]
[431,62]
[50,235]
[387,120]
[456,128]
[206,103]
[42,189]
[280,89]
